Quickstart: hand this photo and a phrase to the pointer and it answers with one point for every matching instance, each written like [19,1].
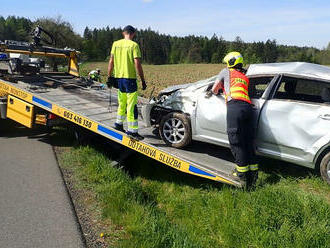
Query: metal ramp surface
[90,108]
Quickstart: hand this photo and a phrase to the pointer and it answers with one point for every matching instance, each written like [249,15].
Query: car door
[211,121]
[294,120]
[260,88]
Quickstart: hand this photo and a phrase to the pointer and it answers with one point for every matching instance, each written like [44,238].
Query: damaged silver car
[292,113]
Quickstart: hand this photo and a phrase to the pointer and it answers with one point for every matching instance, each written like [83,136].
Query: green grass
[146,204]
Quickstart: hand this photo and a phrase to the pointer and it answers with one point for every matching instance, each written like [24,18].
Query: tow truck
[27,90]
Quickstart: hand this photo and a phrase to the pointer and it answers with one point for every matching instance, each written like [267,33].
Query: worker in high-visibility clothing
[123,64]
[240,121]
[95,75]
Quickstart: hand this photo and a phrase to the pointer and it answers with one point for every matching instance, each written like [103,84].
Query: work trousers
[127,103]
[241,134]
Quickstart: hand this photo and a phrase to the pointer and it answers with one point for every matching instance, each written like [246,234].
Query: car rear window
[303,90]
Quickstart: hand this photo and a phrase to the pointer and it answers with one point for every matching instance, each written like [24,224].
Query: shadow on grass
[276,170]
[137,165]
[140,166]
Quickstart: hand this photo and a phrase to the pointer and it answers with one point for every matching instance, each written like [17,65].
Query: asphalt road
[35,209]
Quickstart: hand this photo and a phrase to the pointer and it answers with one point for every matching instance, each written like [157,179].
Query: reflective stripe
[238,89]
[132,130]
[133,127]
[240,95]
[242,99]
[133,124]
[254,167]
[121,117]
[240,80]
[120,122]
[239,84]
[242,168]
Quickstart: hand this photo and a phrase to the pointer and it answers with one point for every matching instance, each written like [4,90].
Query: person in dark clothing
[240,123]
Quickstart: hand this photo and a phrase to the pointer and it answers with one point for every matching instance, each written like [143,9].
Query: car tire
[325,167]
[175,130]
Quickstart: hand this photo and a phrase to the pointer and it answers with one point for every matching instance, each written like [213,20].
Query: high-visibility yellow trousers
[127,104]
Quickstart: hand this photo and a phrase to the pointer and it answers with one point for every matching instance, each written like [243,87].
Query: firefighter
[95,75]
[123,64]
[240,122]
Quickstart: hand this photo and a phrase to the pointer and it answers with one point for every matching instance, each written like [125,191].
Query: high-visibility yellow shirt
[124,52]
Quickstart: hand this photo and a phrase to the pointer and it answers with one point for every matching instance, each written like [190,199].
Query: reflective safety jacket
[239,86]
[94,75]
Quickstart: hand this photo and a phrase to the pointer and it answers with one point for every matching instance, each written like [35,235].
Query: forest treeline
[159,48]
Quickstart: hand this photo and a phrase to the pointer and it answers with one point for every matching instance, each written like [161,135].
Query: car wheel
[325,168]
[175,130]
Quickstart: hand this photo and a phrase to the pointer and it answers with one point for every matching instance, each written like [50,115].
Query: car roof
[300,69]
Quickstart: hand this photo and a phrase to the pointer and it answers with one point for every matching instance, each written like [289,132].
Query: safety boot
[252,176]
[135,136]
[119,127]
[241,175]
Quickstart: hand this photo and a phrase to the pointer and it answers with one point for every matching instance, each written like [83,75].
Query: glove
[112,82]
[208,94]
[109,82]
[144,85]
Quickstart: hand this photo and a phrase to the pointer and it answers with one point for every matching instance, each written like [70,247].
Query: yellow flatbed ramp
[90,109]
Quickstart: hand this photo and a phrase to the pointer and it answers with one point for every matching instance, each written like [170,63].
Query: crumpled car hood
[183,97]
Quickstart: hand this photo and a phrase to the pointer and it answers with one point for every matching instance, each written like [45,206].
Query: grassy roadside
[145,204]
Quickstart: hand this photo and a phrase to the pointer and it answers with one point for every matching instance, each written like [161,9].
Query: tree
[87,34]
[237,45]
[62,33]
[270,51]
[15,28]
[194,55]
[158,48]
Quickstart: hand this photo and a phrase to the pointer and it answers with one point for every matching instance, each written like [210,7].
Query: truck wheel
[325,168]
[175,130]
[82,136]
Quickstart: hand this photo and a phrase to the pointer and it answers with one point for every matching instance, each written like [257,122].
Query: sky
[290,22]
